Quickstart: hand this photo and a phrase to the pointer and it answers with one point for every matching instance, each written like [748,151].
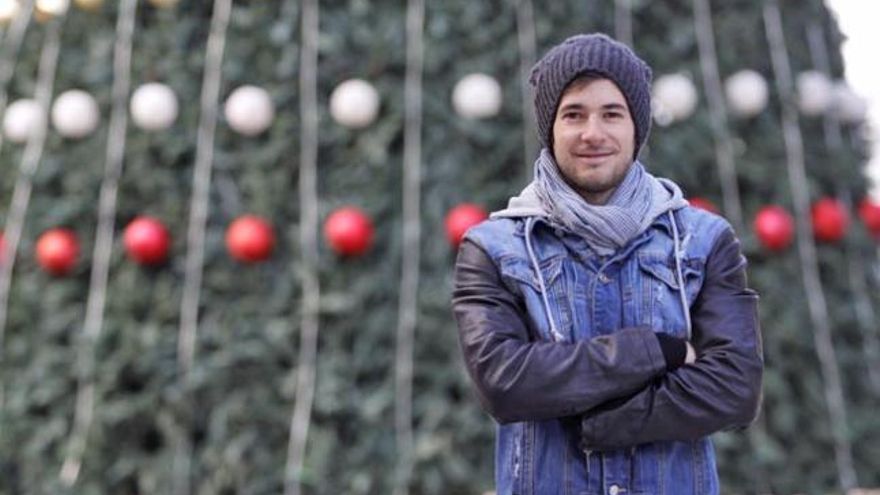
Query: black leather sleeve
[721,390]
[519,379]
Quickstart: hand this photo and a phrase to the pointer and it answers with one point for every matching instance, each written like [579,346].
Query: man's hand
[691,355]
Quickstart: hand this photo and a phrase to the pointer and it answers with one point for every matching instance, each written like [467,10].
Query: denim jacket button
[604,279]
[613,490]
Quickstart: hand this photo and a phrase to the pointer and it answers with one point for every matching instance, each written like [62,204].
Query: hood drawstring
[557,337]
[632,464]
[681,289]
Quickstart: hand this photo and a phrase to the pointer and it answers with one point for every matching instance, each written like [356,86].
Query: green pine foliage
[241,395]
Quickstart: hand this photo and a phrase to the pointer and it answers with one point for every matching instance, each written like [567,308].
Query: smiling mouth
[594,156]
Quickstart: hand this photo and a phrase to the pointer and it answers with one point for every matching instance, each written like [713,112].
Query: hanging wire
[308,237]
[85,394]
[12,46]
[30,161]
[794,151]
[195,253]
[718,114]
[623,27]
[525,27]
[724,160]
[409,279]
[865,316]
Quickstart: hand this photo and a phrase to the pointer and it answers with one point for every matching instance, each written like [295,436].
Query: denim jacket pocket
[519,275]
[661,298]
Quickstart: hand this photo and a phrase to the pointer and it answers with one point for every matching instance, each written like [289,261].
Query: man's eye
[613,115]
[570,115]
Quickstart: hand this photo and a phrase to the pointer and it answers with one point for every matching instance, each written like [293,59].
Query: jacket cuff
[674,350]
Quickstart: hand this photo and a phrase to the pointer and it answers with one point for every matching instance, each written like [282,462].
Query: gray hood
[526,204]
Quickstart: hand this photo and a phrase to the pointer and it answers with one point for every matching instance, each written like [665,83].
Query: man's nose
[592,130]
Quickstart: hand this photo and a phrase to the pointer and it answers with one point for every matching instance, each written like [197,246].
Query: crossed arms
[623,385]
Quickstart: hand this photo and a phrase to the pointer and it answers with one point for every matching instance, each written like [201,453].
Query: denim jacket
[560,345]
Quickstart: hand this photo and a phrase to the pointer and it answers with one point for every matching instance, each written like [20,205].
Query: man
[605,323]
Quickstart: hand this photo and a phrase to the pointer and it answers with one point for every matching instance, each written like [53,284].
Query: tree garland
[85,394]
[623,26]
[195,253]
[308,237]
[525,28]
[409,278]
[12,47]
[718,114]
[30,161]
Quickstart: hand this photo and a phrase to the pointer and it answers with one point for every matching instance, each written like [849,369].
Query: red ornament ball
[774,228]
[57,251]
[703,204]
[869,211]
[830,220]
[460,219]
[349,231]
[250,239]
[146,241]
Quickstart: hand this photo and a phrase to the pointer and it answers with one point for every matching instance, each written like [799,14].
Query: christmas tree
[226,260]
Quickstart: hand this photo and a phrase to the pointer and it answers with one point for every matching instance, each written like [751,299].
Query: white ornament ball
[354,103]
[8,10]
[675,97]
[53,7]
[22,119]
[75,114]
[815,92]
[850,107]
[153,107]
[661,116]
[477,96]
[249,110]
[746,93]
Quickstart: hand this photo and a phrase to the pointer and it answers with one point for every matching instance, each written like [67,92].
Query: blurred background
[227,230]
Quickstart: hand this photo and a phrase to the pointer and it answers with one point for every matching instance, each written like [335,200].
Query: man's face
[593,138]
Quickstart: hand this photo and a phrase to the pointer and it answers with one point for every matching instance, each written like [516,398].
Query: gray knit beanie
[597,54]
